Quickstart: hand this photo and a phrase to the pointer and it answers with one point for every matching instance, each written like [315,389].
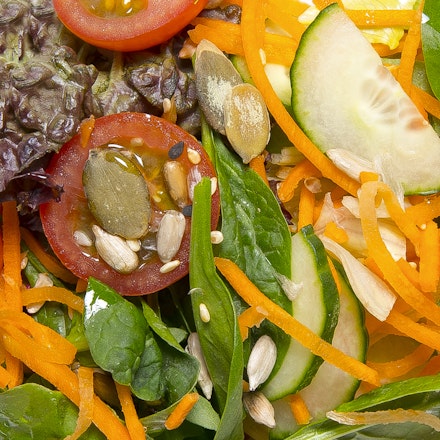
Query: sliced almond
[247,123]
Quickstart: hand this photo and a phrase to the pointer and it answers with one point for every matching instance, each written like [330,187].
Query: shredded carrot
[409,52]
[306,207]
[85,130]
[11,280]
[336,233]
[429,102]
[368,176]
[384,51]
[431,367]
[384,417]
[86,402]
[299,172]
[392,369]
[52,293]
[251,317]
[414,330]
[5,377]
[11,257]
[257,164]
[81,285]
[66,381]
[374,18]
[429,253]
[299,409]
[379,252]
[278,316]
[410,271]
[48,261]
[134,425]
[285,20]
[182,409]
[252,25]
[424,211]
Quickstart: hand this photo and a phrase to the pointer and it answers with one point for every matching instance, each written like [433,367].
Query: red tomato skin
[59,218]
[160,21]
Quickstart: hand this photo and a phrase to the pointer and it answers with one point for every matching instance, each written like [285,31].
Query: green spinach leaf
[421,393]
[31,411]
[219,337]
[431,44]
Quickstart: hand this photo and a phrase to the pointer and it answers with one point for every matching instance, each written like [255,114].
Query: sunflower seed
[115,251]
[170,235]
[259,408]
[261,361]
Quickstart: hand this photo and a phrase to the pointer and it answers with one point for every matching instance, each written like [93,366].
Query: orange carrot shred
[52,293]
[429,102]
[306,207]
[86,402]
[85,130]
[297,173]
[134,425]
[278,316]
[379,252]
[424,211]
[336,233]
[5,377]
[48,261]
[374,18]
[249,318]
[429,253]
[182,409]
[299,409]
[257,164]
[400,367]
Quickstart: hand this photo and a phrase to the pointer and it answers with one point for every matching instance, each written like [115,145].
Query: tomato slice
[154,141]
[126,25]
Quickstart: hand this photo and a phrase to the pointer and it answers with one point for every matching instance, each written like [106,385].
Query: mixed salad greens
[225,231]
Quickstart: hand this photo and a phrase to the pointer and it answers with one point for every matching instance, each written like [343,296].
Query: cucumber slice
[316,306]
[344,98]
[350,337]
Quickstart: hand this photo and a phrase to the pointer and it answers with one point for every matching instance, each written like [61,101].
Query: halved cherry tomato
[126,25]
[150,139]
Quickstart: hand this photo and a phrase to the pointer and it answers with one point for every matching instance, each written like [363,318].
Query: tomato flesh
[151,139]
[126,25]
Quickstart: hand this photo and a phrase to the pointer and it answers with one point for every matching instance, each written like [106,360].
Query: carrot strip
[299,409]
[66,381]
[416,331]
[429,253]
[374,18]
[52,293]
[257,164]
[299,172]
[399,367]
[11,257]
[252,25]
[251,317]
[410,272]
[424,211]
[306,207]
[384,51]
[333,231]
[431,367]
[429,102]
[85,130]
[5,377]
[288,22]
[379,252]
[134,425]
[409,52]
[86,402]
[182,409]
[48,261]
[278,316]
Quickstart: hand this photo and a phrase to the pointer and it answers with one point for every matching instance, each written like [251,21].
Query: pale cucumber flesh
[344,98]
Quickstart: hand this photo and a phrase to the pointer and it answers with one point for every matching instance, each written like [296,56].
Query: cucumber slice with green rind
[316,306]
[344,98]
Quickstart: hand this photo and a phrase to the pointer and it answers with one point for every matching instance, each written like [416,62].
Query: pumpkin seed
[117,193]
[247,123]
[215,77]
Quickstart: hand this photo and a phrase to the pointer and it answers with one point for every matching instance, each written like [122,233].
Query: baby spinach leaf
[31,411]
[420,393]
[121,342]
[219,337]
[431,44]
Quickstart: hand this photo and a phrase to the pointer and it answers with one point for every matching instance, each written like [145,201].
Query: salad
[219,219]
